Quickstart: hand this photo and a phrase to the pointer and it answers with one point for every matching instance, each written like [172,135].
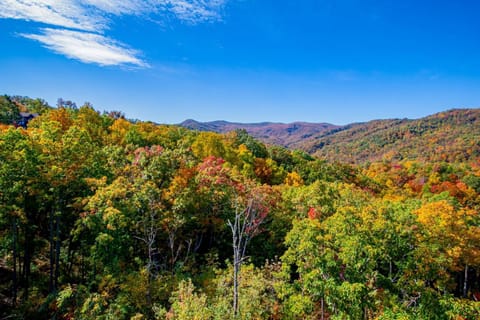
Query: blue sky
[245,60]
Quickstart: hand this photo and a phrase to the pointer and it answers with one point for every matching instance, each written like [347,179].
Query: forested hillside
[105,218]
[447,136]
[282,134]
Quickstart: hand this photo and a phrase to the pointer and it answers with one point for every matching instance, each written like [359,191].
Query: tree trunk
[390,270]
[150,266]
[243,227]
[465,282]
[52,252]
[70,262]
[14,274]
[27,259]
[57,249]
[82,264]
[235,273]
[323,313]
[236,268]
[29,243]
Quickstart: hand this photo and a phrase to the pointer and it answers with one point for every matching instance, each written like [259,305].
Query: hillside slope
[284,134]
[452,135]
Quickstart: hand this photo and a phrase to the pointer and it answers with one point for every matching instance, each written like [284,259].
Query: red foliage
[454,189]
[416,185]
[211,172]
[145,153]
[262,199]
[211,165]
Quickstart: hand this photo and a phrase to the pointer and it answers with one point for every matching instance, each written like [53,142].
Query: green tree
[9,112]
[18,179]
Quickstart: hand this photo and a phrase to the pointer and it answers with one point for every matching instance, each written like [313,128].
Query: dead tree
[244,227]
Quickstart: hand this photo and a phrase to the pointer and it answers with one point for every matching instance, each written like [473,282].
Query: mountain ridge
[284,134]
[452,135]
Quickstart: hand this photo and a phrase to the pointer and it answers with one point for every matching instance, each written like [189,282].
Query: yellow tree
[68,155]
[450,239]
[118,131]
[208,144]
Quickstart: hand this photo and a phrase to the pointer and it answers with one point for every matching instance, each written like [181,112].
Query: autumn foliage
[102,217]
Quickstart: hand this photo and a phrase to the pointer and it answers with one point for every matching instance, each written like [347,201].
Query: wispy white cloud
[88,47]
[195,11]
[93,15]
[119,7]
[64,13]
[91,20]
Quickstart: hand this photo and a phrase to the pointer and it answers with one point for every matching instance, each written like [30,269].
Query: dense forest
[102,217]
[295,135]
[452,136]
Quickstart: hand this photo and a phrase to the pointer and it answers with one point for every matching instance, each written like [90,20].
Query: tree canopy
[102,217]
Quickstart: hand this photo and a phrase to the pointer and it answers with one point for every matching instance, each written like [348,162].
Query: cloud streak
[87,47]
[85,22]
[195,11]
[63,13]
[93,15]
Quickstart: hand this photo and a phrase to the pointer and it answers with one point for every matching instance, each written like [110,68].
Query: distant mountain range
[284,134]
[452,135]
